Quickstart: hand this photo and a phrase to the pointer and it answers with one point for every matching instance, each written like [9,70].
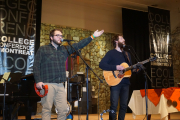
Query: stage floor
[174,116]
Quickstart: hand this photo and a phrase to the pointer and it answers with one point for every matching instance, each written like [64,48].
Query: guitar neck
[134,66]
[129,68]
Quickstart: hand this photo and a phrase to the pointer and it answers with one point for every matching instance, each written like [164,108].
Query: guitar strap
[135,70]
[127,57]
[130,62]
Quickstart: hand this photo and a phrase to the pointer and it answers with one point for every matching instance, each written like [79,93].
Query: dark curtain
[38,24]
[135,33]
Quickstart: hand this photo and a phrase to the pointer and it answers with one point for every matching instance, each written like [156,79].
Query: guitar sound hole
[120,75]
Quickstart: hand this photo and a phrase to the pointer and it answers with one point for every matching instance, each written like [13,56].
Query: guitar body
[115,78]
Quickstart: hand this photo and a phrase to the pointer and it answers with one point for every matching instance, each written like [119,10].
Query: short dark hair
[51,34]
[115,38]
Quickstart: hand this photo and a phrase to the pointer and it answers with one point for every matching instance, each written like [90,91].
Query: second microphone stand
[87,67]
[145,76]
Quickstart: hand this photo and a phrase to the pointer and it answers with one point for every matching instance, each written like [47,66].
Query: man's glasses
[59,35]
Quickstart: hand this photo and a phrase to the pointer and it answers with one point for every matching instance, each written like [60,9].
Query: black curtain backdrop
[38,24]
[135,33]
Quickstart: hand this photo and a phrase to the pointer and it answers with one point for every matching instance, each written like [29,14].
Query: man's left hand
[140,66]
[98,33]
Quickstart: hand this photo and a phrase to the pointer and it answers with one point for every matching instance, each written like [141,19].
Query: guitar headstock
[153,58]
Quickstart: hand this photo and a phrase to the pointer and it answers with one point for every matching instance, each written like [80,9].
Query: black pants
[119,91]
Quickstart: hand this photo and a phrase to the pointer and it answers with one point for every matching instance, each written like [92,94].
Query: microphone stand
[145,76]
[4,84]
[87,67]
[137,59]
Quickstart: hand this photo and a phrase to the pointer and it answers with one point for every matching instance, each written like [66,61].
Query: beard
[56,42]
[120,45]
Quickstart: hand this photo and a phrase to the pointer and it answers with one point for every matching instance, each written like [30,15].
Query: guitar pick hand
[119,67]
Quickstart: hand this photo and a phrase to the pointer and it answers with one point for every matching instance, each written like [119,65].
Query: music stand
[9,78]
[4,80]
[13,78]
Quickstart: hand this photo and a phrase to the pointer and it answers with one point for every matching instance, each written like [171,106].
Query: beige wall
[90,15]
[175,20]
[81,15]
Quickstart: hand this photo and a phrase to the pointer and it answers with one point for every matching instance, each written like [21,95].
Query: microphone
[62,40]
[126,46]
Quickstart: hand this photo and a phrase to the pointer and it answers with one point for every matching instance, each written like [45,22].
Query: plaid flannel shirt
[49,63]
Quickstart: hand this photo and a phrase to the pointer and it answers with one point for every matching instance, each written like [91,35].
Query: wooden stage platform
[174,116]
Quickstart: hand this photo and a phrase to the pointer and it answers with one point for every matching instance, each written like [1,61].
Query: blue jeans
[122,91]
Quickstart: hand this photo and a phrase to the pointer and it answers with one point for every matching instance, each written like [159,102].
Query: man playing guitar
[112,62]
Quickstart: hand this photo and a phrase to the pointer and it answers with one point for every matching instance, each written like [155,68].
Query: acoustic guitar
[113,78]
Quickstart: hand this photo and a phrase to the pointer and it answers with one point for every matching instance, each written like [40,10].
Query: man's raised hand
[98,33]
